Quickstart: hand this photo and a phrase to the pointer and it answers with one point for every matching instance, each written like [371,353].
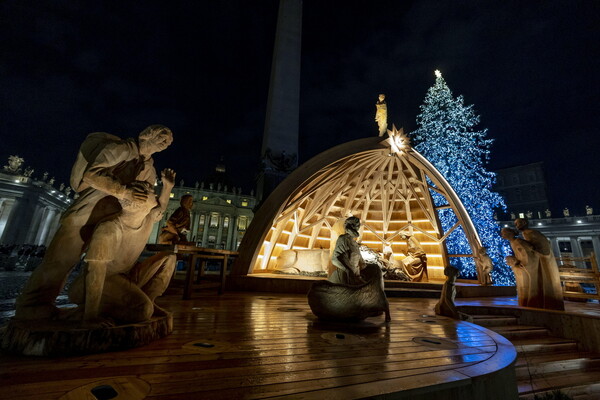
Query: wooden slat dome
[383,182]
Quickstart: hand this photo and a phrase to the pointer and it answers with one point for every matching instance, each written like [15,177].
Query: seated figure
[354,291]
[331,301]
[416,260]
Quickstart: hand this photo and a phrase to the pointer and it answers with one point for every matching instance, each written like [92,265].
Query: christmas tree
[448,138]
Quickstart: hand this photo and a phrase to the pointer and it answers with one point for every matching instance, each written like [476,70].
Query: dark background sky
[68,68]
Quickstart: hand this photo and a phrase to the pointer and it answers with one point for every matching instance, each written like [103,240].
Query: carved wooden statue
[178,224]
[381,115]
[525,267]
[331,301]
[548,268]
[104,173]
[416,260]
[353,291]
[346,256]
[445,306]
[115,287]
[484,265]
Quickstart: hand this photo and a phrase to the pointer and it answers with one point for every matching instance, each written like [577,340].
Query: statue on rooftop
[381,114]
[14,164]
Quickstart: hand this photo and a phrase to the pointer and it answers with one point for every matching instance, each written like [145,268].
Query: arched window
[214,220]
[242,223]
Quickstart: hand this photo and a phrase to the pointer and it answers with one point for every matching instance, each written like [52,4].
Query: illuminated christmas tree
[448,138]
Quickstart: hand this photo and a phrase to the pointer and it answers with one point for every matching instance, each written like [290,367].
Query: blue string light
[447,137]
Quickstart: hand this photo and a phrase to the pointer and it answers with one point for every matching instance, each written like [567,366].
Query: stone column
[596,245]
[575,247]
[220,231]
[193,235]
[44,227]
[35,225]
[54,223]
[206,226]
[5,212]
[18,223]
[555,247]
[234,233]
[229,233]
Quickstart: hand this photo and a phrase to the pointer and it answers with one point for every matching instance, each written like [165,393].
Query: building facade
[30,208]
[219,217]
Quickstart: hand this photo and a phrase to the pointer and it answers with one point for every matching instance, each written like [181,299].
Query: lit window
[214,220]
[202,219]
[226,222]
[204,198]
[228,201]
[171,195]
[244,204]
[242,223]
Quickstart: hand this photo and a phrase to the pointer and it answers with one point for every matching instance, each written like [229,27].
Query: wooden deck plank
[261,351]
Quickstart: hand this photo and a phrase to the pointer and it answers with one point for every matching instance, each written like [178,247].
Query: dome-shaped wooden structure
[382,181]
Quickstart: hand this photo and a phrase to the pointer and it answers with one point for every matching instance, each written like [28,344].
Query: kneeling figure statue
[354,290]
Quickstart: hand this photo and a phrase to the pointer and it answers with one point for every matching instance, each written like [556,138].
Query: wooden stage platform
[282,283]
[263,345]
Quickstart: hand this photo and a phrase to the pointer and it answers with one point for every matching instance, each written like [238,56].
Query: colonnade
[23,220]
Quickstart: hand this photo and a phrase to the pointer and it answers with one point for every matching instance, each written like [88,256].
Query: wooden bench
[572,276]
[192,254]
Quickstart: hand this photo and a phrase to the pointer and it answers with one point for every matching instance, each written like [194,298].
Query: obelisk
[279,151]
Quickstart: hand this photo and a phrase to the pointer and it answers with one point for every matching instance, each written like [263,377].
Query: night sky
[68,68]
